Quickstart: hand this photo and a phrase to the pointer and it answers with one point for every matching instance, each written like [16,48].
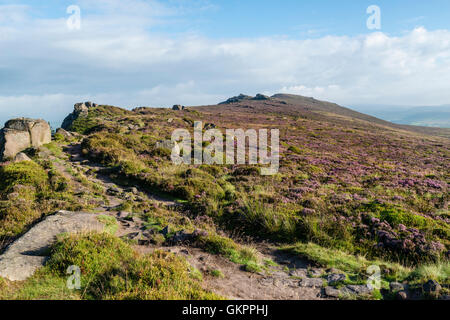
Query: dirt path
[289,279]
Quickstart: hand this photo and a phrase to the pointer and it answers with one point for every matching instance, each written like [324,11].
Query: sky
[133,53]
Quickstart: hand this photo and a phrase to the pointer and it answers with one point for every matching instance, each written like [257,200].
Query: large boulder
[22,133]
[80,110]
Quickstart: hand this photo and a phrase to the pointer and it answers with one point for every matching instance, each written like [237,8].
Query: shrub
[22,173]
[226,247]
[112,270]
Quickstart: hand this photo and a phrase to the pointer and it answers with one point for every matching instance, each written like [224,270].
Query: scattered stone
[316,272]
[143,242]
[396,286]
[311,282]
[183,237]
[23,133]
[66,134]
[333,270]
[332,292]
[132,190]
[336,278]
[165,144]
[402,295]
[125,223]
[165,231]
[123,214]
[112,191]
[21,157]
[134,235]
[148,233]
[209,126]
[357,289]
[432,287]
[298,273]
[24,256]
[139,199]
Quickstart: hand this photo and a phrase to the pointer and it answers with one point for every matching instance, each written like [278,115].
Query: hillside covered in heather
[352,191]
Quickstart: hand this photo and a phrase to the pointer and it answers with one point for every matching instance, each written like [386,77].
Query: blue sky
[293,18]
[158,53]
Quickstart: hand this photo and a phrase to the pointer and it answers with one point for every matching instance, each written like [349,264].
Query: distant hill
[415,124]
[428,116]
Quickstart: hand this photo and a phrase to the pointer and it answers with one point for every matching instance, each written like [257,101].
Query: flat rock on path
[24,256]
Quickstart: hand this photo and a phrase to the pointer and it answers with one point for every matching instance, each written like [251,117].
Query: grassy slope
[110,269]
[328,107]
[345,185]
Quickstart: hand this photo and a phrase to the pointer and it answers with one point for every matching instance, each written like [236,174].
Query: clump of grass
[439,271]
[27,192]
[295,149]
[22,173]
[111,225]
[55,148]
[217,273]
[125,206]
[354,265]
[111,269]
[226,247]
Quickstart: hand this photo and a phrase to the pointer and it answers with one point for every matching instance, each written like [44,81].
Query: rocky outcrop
[80,110]
[24,256]
[239,98]
[178,107]
[22,133]
[243,97]
[260,96]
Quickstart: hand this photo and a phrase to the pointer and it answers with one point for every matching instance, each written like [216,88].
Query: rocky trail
[289,278]
[281,282]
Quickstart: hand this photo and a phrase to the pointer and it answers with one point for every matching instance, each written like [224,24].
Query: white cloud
[117,58]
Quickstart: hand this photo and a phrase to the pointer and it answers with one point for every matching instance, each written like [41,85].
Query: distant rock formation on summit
[178,107]
[81,110]
[243,97]
[23,133]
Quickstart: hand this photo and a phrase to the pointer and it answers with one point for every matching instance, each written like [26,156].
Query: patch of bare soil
[237,284]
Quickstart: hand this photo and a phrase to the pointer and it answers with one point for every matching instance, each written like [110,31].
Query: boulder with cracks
[30,252]
[23,133]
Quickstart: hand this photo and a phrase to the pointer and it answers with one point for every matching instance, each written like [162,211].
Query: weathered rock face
[24,256]
[20,134]
[21,157]
[178,107]
[243,97]
[80,110]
